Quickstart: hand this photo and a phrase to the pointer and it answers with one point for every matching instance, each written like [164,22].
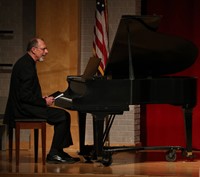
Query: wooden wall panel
[57,22]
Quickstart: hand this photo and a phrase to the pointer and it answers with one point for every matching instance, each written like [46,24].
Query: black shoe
[67,156]
[59,159]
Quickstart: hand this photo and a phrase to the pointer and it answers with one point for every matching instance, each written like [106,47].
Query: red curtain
[165,123]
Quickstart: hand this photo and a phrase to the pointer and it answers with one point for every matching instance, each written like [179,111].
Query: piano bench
[34,124]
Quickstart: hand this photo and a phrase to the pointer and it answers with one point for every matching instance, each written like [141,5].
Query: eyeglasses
[43,49]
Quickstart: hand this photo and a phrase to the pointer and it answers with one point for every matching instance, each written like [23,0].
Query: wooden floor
[125,164]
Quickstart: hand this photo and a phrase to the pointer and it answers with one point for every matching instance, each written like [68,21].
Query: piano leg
[84,150]
[98,128]
[188,130]
[82,125]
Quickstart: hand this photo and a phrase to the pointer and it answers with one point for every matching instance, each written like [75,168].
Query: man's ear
[33,50]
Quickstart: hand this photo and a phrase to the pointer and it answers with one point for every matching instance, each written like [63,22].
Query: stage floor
[135,164]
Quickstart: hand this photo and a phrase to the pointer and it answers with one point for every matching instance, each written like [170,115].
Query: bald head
[37,49]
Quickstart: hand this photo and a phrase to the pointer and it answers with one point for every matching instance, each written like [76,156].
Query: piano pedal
[189,155]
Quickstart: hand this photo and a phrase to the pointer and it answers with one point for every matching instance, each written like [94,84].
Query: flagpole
[101,42]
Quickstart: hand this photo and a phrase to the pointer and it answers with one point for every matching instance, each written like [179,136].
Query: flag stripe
[100,42]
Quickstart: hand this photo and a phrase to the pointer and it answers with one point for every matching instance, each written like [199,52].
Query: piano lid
[151,53]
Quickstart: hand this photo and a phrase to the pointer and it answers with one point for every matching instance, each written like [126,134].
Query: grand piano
[139,71]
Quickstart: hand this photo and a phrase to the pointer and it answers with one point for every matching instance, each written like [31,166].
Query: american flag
[100,42]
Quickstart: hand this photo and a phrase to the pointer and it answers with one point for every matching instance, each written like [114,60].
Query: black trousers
[61,121]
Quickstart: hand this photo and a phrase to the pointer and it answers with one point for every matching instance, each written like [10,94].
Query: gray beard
[41,59]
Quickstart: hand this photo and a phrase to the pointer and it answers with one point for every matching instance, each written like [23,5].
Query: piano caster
[88,159]
[170,155]
[106,158]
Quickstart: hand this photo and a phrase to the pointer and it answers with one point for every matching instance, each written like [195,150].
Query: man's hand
[49,100]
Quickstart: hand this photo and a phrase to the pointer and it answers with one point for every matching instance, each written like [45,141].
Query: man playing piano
[25,100]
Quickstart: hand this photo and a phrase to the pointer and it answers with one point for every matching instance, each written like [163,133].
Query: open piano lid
[151,53]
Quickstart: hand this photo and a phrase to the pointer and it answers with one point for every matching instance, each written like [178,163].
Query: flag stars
[100,5]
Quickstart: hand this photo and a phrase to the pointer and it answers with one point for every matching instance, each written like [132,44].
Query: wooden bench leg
[36,144]
[10,145]
[17,142]
[43,134]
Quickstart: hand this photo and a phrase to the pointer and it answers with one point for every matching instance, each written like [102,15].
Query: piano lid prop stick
[131,72]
